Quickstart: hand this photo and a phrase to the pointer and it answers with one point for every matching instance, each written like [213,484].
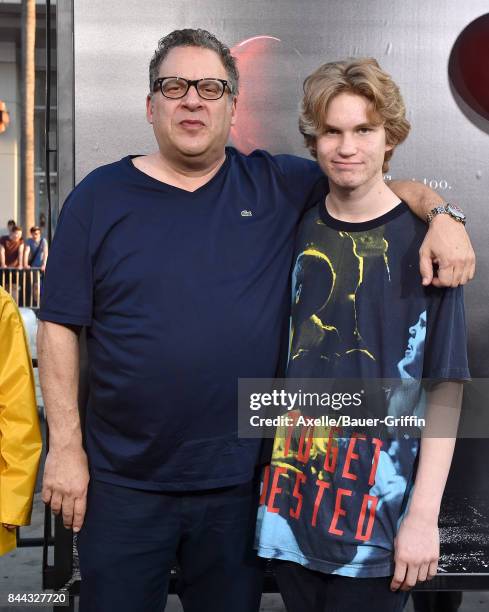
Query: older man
[172,322]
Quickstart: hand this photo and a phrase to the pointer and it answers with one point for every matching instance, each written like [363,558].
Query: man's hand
[66,471]
[448,245]
[65,485]
[417,549]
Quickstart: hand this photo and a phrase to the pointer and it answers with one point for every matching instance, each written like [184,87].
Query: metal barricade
[24,285]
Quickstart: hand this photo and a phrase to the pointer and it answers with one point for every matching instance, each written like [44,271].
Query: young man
[36,250]
[12,256]
[172,322]
[35,259]
[351,521]
[12,248]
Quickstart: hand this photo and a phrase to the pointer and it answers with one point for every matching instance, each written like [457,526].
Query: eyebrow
[355,127]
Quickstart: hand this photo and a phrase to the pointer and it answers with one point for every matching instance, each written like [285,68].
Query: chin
[189,150]
[350,185]
[192,152]
[407,364]
[343,181]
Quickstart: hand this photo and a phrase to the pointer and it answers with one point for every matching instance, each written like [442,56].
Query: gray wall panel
[115,39]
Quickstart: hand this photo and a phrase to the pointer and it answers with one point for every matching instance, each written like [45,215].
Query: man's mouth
[346,165]
[192,123]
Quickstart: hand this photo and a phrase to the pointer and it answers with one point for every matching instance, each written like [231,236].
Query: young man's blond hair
[361,76]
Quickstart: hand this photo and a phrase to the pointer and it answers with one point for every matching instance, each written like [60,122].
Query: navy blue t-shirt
[182,293]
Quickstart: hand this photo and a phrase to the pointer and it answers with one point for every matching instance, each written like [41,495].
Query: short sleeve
[67,294]
[445,355]
[305,179]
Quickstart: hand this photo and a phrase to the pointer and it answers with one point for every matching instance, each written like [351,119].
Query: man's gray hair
[194,38]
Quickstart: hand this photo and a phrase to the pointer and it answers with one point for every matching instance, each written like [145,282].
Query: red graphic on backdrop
[469,66]
[257,59]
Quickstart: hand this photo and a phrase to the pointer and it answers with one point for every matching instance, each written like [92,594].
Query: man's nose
[347,145]
[192,98]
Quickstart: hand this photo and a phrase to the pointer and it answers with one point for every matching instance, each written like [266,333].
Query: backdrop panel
[277,44]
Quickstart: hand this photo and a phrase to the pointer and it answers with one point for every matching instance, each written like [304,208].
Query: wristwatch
[449,209]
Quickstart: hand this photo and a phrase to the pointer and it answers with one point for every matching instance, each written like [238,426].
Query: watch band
[454,211]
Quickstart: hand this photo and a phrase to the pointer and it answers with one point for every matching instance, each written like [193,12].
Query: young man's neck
[363,203]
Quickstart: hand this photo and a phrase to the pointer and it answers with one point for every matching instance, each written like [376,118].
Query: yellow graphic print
[324,314]
[294,447]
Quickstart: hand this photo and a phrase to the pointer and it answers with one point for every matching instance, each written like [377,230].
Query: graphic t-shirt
[177,315]
[333,498]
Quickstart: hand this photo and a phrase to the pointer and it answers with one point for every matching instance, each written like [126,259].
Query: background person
[12,256]
[12,249]
[35,250]
[20,436]
[10,225]
[35,258]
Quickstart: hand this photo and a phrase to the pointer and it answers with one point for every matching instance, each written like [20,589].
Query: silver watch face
[455,211]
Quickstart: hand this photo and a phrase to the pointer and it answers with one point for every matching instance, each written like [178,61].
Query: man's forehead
[192,62]
[351,108]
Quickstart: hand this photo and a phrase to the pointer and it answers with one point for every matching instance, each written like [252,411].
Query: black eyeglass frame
[158,85]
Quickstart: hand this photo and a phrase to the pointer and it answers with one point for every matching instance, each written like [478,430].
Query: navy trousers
[131,539]
[303,589]
[442,601]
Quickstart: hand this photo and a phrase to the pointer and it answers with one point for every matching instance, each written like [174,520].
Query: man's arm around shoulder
[446,244]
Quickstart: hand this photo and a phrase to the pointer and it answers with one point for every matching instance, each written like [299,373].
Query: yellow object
[20,436]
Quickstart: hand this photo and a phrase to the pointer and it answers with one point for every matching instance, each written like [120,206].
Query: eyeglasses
[177,87]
